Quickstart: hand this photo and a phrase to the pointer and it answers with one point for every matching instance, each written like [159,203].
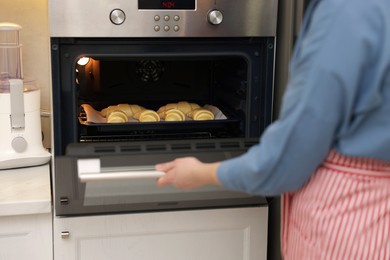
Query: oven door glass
[113,177]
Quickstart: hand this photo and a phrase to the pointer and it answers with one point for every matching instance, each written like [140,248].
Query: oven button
[166,18]
[176,18]
[157,28]
[166,28]
[176,28]
[117,16]
[157,18]
[19,144]
[215,17]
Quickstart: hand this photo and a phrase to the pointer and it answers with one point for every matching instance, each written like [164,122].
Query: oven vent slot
[176,147]
[105,149]
[131,148]
[156,147]
[205,146]
[230,145]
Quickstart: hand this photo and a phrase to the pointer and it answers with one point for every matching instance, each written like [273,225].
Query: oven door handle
[90,170]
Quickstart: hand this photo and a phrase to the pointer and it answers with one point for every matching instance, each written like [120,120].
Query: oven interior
[234,76]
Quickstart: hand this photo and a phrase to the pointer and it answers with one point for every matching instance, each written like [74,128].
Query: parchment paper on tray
[94,117]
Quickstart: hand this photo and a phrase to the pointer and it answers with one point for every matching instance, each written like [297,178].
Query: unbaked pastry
[130,110]
[147,115]
[117,116]
[172,115]
[201,114]
[183,106]
[108,110]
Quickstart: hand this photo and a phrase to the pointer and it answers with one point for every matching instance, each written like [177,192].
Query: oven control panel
[214,17]
[163,18]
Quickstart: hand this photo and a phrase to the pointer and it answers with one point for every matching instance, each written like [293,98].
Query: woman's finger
[164,167]
[161,181]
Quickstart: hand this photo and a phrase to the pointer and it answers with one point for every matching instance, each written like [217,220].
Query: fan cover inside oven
[150,70]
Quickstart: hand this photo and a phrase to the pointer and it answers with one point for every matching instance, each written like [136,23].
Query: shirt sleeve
[324,74]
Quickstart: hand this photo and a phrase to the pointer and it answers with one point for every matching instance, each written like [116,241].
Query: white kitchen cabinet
[26,237]
[226,234]
[25,214]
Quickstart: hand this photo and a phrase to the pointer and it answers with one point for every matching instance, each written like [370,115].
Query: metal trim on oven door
[100,178]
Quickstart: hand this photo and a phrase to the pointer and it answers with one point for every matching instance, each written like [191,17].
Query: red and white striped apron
[343,212]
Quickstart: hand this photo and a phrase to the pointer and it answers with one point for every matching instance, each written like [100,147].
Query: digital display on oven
[167,4]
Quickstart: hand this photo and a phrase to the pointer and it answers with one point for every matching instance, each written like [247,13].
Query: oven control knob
[19,144]
[215,17]
[117,16]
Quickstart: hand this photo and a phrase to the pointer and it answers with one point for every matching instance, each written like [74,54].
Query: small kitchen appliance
[20,131]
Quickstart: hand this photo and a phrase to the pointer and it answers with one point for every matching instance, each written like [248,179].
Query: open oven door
[99,178]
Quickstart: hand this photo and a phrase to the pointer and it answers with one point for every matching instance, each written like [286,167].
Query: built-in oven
[157,56]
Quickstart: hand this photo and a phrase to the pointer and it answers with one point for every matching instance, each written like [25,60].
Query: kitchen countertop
[25,191]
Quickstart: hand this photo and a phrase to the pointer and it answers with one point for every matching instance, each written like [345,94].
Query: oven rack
[148,136]
[163,130]
[159,130]
[96,120]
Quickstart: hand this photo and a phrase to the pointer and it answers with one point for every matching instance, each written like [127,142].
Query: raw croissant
[201,114]
[117,116]
[172,115]
[147,115]
[127,110]
[130,110]
[183,106]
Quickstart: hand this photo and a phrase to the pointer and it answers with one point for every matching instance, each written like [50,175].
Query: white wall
[32,15]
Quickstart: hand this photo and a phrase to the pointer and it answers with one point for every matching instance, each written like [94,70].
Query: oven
[153,55]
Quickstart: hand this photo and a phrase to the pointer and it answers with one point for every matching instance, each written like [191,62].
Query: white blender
[20,121]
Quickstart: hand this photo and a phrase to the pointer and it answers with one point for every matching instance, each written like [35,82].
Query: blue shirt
[338,96]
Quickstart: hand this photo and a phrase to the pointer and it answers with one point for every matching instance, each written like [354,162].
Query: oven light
[83,61]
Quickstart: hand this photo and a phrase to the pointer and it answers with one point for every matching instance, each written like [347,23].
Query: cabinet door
[226,234]
[26,237]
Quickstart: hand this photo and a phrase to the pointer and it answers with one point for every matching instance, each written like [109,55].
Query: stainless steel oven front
[217,54]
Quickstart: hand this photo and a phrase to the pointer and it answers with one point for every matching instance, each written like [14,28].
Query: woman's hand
[188,173]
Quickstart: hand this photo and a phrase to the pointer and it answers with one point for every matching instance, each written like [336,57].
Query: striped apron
[343,212]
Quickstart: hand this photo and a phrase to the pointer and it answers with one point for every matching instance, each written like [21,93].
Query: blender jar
[11,58]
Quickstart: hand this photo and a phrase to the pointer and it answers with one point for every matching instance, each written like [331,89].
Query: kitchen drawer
[228,234]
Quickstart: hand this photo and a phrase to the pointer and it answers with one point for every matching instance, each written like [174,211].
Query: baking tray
[100,127]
